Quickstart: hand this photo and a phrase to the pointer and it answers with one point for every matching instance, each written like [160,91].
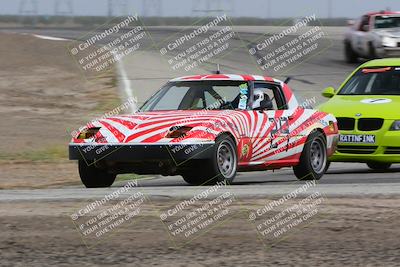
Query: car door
[271,133]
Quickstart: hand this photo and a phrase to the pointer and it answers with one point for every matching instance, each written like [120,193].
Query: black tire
[372,52]
[93,177]
[350,55]
[378,166]
[313,159]
[195,177]
[328,165]
[214,170]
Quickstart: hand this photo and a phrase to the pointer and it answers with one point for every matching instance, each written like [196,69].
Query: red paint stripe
[296,115]
[247,77]
[284,140]
[128,124]
[216,76]
[120,136]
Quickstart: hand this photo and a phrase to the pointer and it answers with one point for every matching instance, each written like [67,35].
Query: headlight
[395,126]
[388,41]
[88,133]
[178,131]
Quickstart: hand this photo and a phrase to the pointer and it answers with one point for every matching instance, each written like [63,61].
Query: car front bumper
[138,152]
[386,150]
[389,52]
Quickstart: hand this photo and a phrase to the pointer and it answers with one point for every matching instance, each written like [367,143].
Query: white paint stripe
[49,38]
[258,78]
[126,82]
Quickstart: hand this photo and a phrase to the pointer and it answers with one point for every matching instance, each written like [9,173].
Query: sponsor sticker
[243,96]
[376,101]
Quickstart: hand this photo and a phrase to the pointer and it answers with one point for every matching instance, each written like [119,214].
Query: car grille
[346,124]
[370,124]
[392,150]
[356,149]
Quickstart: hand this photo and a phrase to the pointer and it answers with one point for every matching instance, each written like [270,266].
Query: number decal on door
[278,128]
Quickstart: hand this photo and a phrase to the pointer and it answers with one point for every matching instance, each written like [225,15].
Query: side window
[197,104]
[210,99]
[271,93]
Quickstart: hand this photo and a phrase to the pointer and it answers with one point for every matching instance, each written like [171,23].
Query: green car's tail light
[395,126]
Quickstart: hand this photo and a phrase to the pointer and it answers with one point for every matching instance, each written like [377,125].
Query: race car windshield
[383,22]
[198,95]
[374,81]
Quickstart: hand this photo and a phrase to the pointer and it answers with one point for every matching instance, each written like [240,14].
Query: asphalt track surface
[326,69]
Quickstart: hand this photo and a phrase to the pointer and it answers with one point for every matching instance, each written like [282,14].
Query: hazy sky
[248,8]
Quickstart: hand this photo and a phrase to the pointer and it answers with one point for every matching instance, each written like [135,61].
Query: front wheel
[328,165]
[313,159]
[350,55]
[379,166]
[221,167]
[94,177]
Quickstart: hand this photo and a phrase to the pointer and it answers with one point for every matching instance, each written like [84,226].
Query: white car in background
[374,35]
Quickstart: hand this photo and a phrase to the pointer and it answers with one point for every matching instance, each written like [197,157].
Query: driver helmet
[258,97]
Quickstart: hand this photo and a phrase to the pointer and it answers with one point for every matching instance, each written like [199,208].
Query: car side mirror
[329,92]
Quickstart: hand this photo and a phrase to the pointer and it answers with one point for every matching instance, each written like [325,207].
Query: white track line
[126,82]
[120,67]
[49,38]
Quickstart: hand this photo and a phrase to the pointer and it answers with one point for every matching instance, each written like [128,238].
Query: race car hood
[153,127]
[365,106]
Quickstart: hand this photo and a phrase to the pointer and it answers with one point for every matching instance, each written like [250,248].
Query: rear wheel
[94,177]
[350,55]
[221,167]
[313,159]
[379,166]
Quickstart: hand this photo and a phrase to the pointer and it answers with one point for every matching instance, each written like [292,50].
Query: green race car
[367,107]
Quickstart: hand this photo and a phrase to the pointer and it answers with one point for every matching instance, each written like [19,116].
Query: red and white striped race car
[206,128]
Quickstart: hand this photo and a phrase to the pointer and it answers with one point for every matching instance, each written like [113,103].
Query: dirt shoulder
[347,232]
[44,97]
